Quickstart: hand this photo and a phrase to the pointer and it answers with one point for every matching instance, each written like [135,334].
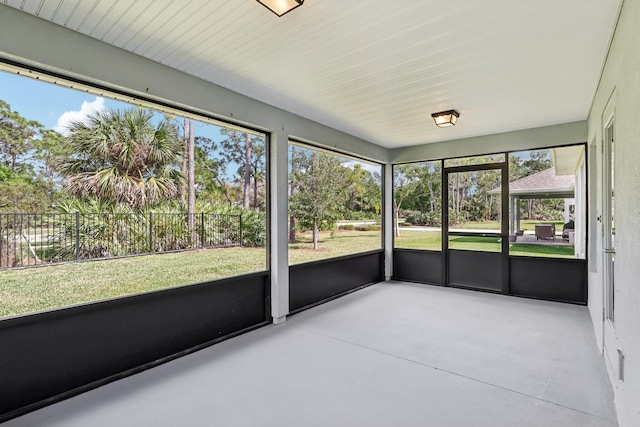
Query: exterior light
[445,119]
[280,7]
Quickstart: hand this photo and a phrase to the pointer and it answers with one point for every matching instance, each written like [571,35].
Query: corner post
[389,219]
[279,224]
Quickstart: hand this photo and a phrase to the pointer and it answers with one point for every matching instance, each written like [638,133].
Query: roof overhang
[566,160]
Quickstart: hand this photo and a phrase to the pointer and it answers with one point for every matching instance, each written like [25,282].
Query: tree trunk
[396,228]
[292,191]
[191,177]
[184,168]
[292,228]
[315,235]
[490,203]
[255,192]
[247,172]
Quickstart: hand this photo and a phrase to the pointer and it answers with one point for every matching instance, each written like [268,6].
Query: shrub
[254,230]
[108,229]
[367,228]
[423,218]
[346,227]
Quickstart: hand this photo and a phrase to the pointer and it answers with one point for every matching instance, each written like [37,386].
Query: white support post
[389,220]
[512,215]
[518,214]
[279,203]
[580,212]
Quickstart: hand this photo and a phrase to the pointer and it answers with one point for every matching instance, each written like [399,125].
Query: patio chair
[570,226]
[546,231]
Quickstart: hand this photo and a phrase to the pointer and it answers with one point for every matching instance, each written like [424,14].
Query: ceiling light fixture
[445,119]
[280,7]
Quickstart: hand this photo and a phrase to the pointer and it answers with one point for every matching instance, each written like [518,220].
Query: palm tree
[122,156]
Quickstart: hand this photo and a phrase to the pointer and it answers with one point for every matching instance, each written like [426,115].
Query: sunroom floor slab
[394,353]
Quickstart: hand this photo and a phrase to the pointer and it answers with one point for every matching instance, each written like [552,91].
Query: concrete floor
[393,354]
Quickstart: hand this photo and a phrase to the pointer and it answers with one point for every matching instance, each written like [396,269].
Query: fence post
[240,230]
[150,231]
[77,236]
[202,234]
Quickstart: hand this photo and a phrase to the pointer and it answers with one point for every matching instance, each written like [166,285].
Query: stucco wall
[622,75]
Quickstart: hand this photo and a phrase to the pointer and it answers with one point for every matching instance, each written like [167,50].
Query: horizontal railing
[31,239]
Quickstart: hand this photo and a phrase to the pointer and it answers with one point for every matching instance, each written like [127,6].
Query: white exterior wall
[622,75]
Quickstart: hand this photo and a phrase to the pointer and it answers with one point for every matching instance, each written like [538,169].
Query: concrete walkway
[393,354]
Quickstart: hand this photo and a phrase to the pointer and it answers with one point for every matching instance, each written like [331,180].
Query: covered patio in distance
[563,184]
[546,184]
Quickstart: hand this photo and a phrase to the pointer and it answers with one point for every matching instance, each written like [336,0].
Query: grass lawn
[430,240]
[528,225]
[333,244]
[409,239]
[551,251]
[34,289]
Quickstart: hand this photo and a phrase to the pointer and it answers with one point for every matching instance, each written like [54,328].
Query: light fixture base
[280,7]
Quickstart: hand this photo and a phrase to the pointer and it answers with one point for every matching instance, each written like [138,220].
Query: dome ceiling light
[445,119]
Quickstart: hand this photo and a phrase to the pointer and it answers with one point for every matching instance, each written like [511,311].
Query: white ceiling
[375,69]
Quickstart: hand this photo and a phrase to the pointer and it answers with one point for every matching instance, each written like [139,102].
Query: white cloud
[86,109]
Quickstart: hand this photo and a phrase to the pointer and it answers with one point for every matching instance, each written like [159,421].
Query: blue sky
[44,102]
[54,105]
[49,103]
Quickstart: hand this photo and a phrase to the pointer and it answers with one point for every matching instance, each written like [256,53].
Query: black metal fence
[30,239]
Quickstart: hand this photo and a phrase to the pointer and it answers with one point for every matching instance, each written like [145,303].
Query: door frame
[607,243]
[503,167]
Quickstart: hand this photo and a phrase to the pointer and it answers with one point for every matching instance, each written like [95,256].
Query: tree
[357,186]
[292,190]
[30,157]
[17,138]
[320,182]
[529,163]
[51,151]
[122,156]
[247,152]
[19,192]
[238,148]
[190,166]
[258,171]
[406,182]
[209,171]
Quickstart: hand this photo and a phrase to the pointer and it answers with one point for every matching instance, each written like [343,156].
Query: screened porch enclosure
[320,251]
